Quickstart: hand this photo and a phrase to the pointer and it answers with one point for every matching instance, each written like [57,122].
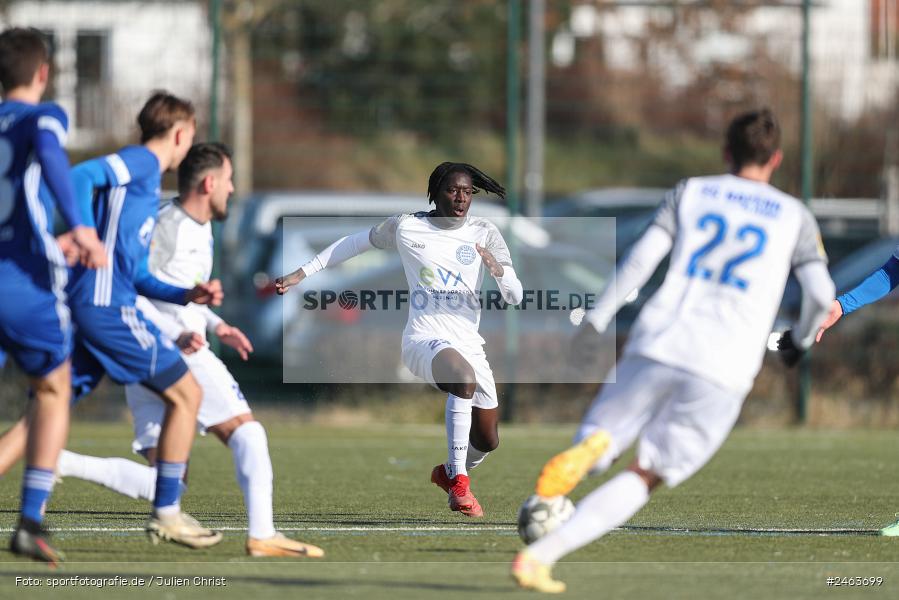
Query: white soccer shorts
[419,353]
[680,418]
[222,400]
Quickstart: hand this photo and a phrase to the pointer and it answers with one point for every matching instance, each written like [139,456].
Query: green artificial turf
[772,516]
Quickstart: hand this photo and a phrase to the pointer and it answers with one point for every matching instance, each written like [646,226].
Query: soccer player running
[877,285]
[35,325]
[441,343]
[112,337]
[697,345]
[181,253]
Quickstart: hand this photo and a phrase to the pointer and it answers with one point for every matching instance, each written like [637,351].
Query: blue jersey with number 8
[32,163]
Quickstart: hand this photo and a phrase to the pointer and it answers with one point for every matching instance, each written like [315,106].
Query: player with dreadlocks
[445,254]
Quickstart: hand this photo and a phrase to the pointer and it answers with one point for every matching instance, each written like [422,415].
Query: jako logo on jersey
[429,278]
[417,245]
[146,231]
[465,254]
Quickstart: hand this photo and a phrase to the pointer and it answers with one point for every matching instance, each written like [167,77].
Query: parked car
[276,233]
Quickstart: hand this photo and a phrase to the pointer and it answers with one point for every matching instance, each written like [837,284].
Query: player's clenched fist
[494,267]
[190,342]
[207,293]
[282,284]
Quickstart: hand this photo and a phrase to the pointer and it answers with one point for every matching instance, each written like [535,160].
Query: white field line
[476,529]
[285,528]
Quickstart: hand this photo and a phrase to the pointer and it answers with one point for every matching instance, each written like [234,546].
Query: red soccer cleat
[439,478]
[460,497]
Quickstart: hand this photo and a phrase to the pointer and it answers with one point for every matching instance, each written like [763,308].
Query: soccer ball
[538,516]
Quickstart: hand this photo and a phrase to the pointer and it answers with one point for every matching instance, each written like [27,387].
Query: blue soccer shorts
[118,341]
[35,326]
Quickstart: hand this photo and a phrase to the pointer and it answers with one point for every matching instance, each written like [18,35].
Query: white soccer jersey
[735,241]
[181,254]
[444,272]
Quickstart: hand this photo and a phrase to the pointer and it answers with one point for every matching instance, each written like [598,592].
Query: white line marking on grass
[284,528]
[688,531]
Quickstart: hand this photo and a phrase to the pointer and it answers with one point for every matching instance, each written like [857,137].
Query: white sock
[474,457]
[601,511]
[118,474]
[458,428]
[253,467]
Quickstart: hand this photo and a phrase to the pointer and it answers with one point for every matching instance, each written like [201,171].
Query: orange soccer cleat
[565,470]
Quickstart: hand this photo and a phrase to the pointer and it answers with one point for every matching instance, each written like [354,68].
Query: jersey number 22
[728,276]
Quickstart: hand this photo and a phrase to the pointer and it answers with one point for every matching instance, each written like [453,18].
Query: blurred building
[109,55]
[853,43]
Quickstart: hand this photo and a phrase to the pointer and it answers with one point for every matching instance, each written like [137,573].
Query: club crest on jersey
[146,231]
[465,254]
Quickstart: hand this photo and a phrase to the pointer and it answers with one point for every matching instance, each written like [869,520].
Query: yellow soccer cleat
[891,530]
[564,471]
[181,528]
[531,574]
[281,545]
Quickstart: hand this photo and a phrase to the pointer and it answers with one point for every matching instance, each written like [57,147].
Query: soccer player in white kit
[182,254]
[445,254]
[697,345]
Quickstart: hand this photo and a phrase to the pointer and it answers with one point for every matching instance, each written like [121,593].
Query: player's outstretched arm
[285,282]
[342,250]
[877,285]
[632,273]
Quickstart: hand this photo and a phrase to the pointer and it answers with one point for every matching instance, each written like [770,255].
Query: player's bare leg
[168,523]
[484,437]
[182,401]
[12,445]
[601,511]
[253,468]
[48,416]
[454,375]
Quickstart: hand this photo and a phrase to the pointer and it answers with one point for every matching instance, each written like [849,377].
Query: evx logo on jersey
[429,278]
[421,298]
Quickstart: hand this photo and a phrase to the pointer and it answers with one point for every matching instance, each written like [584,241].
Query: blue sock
[168,483]
[36,487]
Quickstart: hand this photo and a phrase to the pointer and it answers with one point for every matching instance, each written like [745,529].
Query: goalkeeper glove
[789,352]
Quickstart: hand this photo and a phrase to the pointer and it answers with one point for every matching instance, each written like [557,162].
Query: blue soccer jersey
[31,141]
[125,191]
[112,337]
[34,174]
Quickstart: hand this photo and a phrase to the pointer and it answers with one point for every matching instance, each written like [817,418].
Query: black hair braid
[479,179]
